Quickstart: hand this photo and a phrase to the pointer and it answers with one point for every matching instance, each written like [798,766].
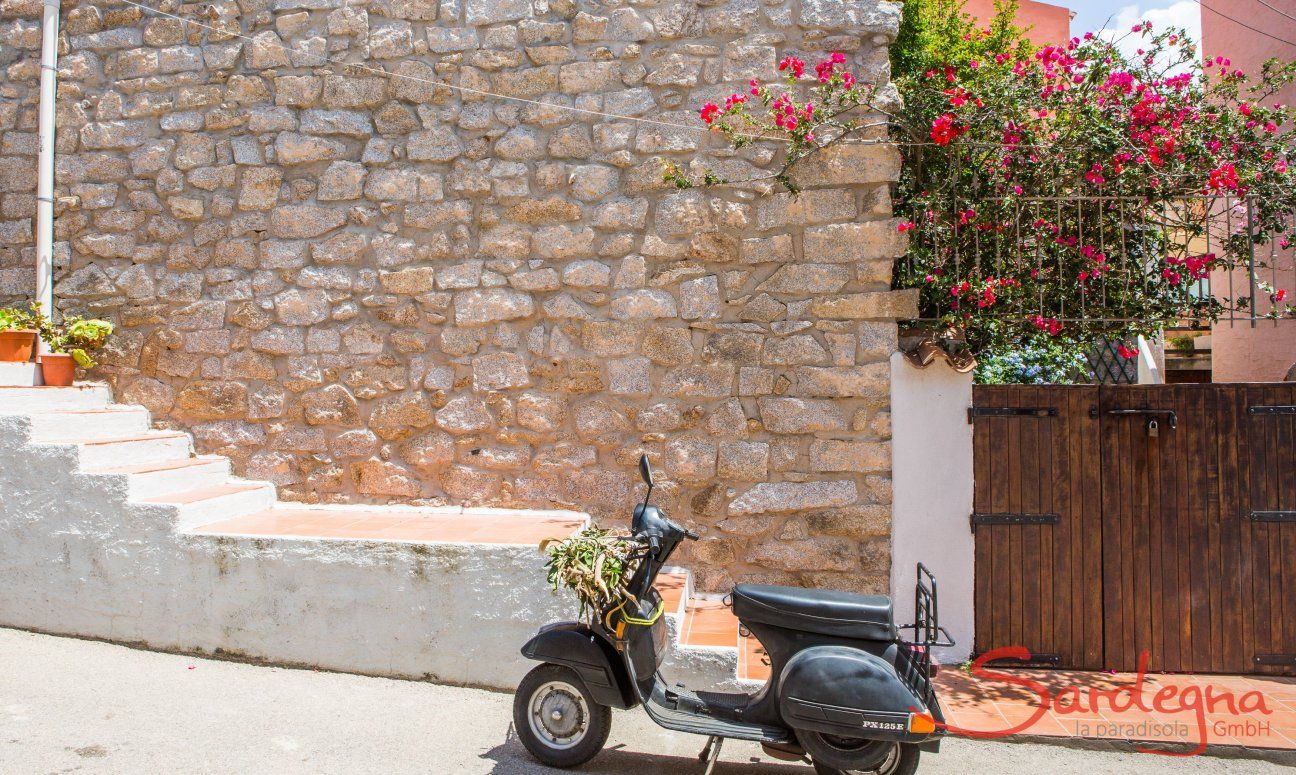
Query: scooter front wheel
[902,759]
[556,718]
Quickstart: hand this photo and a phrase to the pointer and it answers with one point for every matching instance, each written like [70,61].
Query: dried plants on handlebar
[595,564]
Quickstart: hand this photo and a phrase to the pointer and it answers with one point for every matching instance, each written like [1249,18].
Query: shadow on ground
[512,759]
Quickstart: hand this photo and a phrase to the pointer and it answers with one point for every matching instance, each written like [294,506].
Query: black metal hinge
[1271,410]
[1273,516]
[1276,660]
[985,518]
[1010,411]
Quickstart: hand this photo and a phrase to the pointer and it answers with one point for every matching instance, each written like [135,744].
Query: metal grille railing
[1097,260]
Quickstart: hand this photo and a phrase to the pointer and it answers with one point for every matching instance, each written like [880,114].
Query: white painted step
[147,447]
[20,374]
[113,421]
[163,477]
[21,400]
[223,501]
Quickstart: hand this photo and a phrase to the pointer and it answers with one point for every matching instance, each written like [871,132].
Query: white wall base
[78,558]
[931,448]
[21,374]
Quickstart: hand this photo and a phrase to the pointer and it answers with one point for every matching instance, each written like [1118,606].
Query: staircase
[112,529]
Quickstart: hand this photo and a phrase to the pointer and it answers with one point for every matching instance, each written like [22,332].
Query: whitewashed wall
[931,452]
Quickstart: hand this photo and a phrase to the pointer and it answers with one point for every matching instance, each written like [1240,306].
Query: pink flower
[792,63]
[1127,352]
[709,112]
[904,226]
[944,130]
[1224,176]
[1052,326]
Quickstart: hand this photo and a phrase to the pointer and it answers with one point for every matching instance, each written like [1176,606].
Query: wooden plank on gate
[1226,502]
[1090,569]
[1033,636]
[984,559]
[1259,493]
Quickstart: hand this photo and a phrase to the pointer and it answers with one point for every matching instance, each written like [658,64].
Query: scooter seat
[821,611]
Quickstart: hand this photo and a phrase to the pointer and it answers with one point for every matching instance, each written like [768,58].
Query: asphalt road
[74,706]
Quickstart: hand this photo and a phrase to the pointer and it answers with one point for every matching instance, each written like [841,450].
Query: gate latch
[1153,425]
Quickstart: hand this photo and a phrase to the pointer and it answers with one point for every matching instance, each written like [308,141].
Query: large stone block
[872,382]
[479,13]
[881,305]
[801,415]
[491,305]
[848,164]
[874,242]
[779,211]
[776,497]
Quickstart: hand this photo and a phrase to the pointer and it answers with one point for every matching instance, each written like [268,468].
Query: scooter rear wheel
[902,759]
[556,718]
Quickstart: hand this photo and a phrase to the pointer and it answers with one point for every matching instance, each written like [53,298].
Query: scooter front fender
[595,660]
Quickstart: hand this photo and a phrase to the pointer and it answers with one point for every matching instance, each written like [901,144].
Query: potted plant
[18,331]
[70,342]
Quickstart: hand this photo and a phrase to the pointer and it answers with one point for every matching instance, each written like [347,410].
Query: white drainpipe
[45,159]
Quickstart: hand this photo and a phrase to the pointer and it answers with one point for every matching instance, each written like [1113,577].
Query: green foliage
[14,319]
[76,336]
[594,564]
[938,32]
[1037,362]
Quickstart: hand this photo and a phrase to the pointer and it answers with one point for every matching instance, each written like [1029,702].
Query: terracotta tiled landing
[975,706]
[751,660]
[671,587]
[709,623]
[468,526]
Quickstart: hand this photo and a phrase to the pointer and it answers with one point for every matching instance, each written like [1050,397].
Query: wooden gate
[1116,519]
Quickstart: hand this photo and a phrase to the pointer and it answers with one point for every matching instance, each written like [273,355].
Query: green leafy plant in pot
[18,331]
[595,565]
[71,341]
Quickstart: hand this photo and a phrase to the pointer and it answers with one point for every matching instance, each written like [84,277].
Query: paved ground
[79,706]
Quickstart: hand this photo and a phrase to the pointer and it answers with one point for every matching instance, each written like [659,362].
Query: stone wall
[369,286]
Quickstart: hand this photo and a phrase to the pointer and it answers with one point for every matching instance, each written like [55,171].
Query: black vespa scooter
[846,692]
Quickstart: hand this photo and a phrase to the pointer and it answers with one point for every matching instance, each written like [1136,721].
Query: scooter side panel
[847,692]
[575,645]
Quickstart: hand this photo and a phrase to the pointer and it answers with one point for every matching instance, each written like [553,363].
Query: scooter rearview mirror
[645,471]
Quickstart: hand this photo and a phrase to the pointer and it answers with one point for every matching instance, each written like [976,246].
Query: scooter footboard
[851,693]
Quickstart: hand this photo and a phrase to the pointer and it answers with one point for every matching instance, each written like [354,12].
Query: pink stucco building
[1241,353]
[1045,23]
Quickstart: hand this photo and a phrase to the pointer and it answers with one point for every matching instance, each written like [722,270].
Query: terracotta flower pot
[16,345]
[58,369]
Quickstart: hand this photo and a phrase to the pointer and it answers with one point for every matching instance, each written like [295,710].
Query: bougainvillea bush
[1066,193]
